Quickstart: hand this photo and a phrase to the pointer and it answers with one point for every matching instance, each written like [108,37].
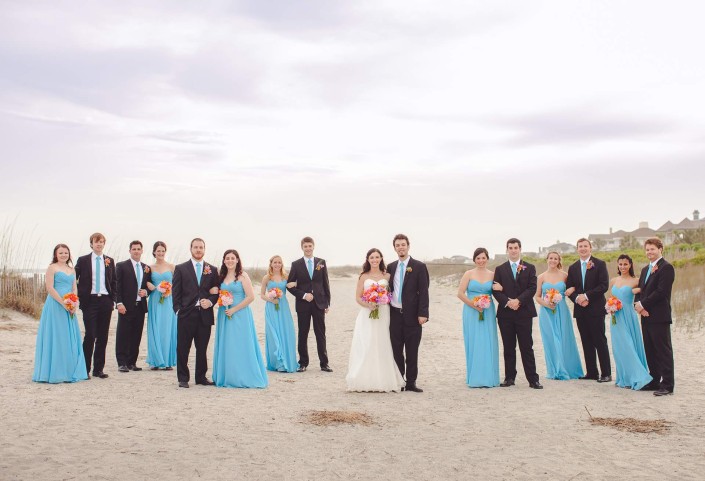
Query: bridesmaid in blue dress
[161,319]
[59,353]
[481,345]
[559,346]
[237,360]
[280,344]
[627,343]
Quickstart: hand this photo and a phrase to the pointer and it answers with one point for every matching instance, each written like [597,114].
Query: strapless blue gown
[237,358]
[280,343]
[481,345]
[58,356]
[559,346]
[627,343]
[161,326]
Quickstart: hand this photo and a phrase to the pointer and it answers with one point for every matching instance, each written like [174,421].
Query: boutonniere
[146,269]
[654,269]
[207,269]
[409,269]
[107,262]
[589,265]
[520,267]
[319,266]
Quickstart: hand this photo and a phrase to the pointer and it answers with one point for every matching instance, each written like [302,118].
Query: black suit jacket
[84,278]
[522,288]
[186,291]
[318,285]
[597,280]
[127,285]
[414,291]
[655,295]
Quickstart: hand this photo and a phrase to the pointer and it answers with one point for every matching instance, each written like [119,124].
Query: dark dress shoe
[326,368]
[588,378]
[662,392]
[153,368]
[413,388]
[168,368]
[535,385]
[205,382]
[135,368]
[652,386]
[605,379]
[301,369]
[183,384]
[100,374]
[507,382]
[124,369]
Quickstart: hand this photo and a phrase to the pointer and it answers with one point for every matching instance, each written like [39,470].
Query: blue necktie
[310,268]
[199,271]
[401,280]
[583,267]
[97,274]
[138,271]
[648,273]
[514,269]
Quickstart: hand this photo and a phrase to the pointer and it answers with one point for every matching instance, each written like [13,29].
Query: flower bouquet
[164,289]
[225,299]
[613,305]
[274,293]
[552,297]
[376,294]
[71,301]
[482,302]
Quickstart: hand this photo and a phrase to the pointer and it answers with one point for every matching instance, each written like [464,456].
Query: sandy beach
[140,425]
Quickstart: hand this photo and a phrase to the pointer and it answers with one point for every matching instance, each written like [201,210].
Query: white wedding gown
[371,366]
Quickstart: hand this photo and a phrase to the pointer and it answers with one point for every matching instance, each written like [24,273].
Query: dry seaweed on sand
[633,425]
[330,418]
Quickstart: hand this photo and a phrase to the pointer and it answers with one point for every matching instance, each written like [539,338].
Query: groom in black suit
[97,285]
[409,309]
[588,281]
[654,306]
[312,292]
[515,313]
[193,304]
[132,278]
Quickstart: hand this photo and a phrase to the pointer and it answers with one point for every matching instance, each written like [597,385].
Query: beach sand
[140,425]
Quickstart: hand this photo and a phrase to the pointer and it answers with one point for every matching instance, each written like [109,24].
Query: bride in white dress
[371,366]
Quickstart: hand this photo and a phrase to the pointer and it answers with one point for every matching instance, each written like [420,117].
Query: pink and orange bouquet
[376,294]
[71,301]
[552,297]
[164,289]
[482,302]
[225,299]
[274,293]
[613,305]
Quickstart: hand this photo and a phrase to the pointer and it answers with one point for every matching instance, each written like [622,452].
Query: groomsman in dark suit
[514,288]
[408,311]
[653,303]
[132,278]
[312,292]
[587,283]
[193,304]
[97,287]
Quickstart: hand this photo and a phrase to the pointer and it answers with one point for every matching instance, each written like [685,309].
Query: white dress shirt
[396,297]
[101,275]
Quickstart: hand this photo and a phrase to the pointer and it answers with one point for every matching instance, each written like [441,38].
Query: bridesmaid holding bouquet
[280,344]
[161,319]
[59,351]
[237,360]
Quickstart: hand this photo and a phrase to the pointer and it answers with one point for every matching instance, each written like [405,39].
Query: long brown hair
[55,259]
[224,268]
[366,267]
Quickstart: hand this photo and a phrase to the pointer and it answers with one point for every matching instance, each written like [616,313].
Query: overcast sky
[254,123]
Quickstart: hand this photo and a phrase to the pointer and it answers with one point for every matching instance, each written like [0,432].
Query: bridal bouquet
[71,301]
[376,294]
[552,297]
[225,299]
[613,305]
[164,289]
[274,293]
[482,302]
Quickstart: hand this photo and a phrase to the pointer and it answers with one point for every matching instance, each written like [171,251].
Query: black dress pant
[592,336]
[659,353]
[406,339]
[96,319]
[518,330]
[128,335]
[192,329]
[305,311]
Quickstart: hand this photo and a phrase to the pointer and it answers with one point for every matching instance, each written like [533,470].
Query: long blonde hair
[560,259]
[270,271]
